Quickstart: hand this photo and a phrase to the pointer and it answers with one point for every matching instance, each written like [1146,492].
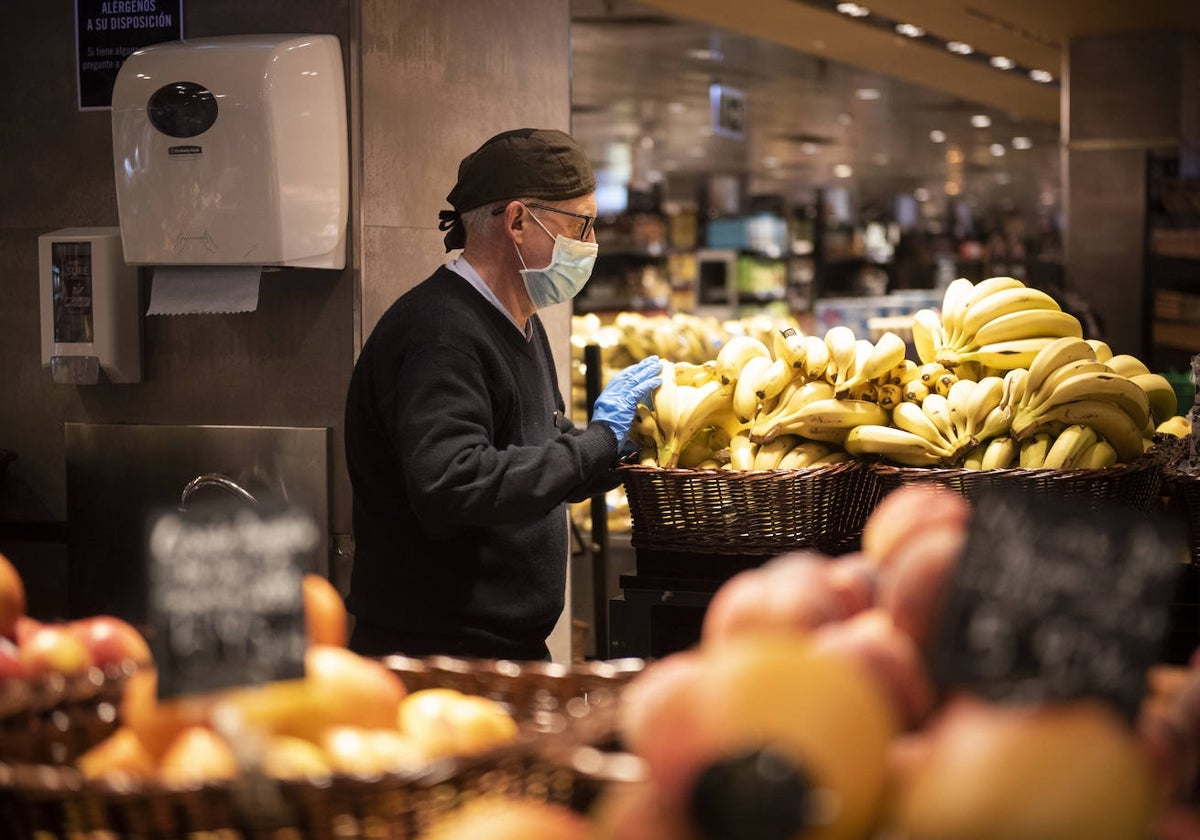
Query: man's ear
[515,221]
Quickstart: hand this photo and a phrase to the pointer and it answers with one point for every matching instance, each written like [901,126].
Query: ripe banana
[1006,355]
[886,354]
[734,355]
[837,456]
[909,417]
[645,431]
[1097,456]
[1059,352]
[944,382]
[772,382]
[953,300]
[741,452]
[937,409]
[929,372]
[1068,446]
[890,396]
[957,397]
[979,295]
[1101,349]
[1127,365]
[789,346]
[999,453]
[1033,451]
[927,334]
[1109,387]
[770,425]
[690,410]
[769,455]
[974,459]
[1109,421]
[816,357]
[1060,375]
[804,454]
[746,387]
[916,391]
[840,341]
[1030,323]
[984,397]
[1019,298]
[830,420]
[893,444]
[1164,402]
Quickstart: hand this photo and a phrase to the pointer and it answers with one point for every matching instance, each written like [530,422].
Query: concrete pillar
[1124,96]
[437,79]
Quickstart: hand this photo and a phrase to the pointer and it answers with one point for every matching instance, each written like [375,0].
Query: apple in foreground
[54,648]
[111,640]
[12,598]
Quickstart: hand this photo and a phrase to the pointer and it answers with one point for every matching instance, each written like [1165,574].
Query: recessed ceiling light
[1022,143]
[997,149]
[853,9]
[937,136]
[867,94]
[921,194]
[909,30]
[843,170]
[980,120]
[1001,62]
[959,47]
[1042,76]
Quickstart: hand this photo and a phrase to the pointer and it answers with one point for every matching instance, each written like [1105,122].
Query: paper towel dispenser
[233,151]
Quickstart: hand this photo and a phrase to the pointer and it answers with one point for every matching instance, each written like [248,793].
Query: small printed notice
[225,596]
[108,31]
[1054,600]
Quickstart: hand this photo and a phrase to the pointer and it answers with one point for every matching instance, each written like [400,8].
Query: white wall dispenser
[90,320]
[233,151]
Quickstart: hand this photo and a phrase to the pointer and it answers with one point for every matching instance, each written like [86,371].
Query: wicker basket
[1137,484]
[559,710]
[752,512]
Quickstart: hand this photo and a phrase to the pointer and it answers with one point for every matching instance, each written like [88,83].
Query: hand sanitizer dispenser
[233,151]
[89,307]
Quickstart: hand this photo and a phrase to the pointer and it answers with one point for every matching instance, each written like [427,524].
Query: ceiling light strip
[861,13]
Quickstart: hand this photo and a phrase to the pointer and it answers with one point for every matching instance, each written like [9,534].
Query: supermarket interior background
[753,158]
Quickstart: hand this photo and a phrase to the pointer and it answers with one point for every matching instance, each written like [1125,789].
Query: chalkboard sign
[225,595]
[1051,600]
[107,31]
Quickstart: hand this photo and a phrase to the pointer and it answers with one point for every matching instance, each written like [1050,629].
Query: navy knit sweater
[461,464]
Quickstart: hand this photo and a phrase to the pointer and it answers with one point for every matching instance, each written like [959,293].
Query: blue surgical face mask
[569,269]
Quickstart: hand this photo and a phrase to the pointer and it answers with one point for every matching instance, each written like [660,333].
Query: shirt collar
[465,270]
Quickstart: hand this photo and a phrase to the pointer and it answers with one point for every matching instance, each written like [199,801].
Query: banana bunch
[999,453]
[1067,386]
[1075,447]
[681,413]
[786,452]
[999,323]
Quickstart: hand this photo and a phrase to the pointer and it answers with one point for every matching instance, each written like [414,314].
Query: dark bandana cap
[527,162]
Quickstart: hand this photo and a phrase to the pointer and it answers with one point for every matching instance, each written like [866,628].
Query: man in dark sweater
[460,455]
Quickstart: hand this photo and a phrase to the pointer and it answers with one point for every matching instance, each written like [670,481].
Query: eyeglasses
[588,221]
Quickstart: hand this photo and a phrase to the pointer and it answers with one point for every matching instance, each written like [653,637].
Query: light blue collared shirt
[466,271]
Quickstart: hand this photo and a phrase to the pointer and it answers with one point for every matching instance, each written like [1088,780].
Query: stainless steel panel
[119,475]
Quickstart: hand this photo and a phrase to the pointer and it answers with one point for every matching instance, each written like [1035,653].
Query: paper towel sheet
[203,290]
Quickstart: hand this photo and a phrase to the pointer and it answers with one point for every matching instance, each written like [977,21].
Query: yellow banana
[840,341]
[853,375]
[836,456]
[803,454]
[937,409]
[790,346]
[957,398]
[830,420]
[1109,421]
[916,391]
[734,355]
[1164,402]
[886,353]
[695,409]
[998,422]
[1000,303]
[983,398]
[909,417]
[893,444]
[686,372]
[768,426]
[1068,446]
[775,379]
[1127,365]
[983,291]
[930,371]
[816,357]
[645,431]
[741,452]
[999,453]
[1005,355]
[953,300]
[890,396]
[1058,376]
[769,455]
[1101,349]
[746,387]
[1097,456]
[1059,352]
[1030,323]
[1177,425]
[1033,451]
[944,383]
[974,459]
[927,334]
[1109,387]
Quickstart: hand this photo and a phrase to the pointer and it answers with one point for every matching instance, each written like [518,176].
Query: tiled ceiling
[823,92]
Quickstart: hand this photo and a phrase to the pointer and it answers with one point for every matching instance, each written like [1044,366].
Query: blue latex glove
[618,402]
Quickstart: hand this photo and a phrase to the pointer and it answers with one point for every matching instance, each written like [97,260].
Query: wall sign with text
[107,31]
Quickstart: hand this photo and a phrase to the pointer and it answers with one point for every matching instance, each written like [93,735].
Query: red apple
[54,648]
[12,598]
[25,626]
[111,640]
